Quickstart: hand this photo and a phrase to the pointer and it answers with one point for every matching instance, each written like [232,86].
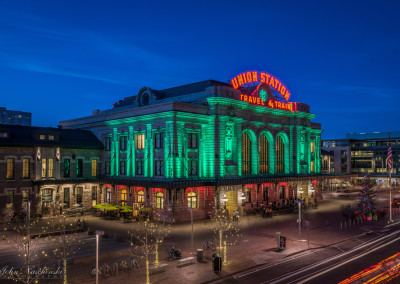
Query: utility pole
[390,180]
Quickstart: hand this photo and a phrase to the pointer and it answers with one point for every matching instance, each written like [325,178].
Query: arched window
[124,197]
[192,199]
[263,152]
[282,192]
[140,198]
[108,195]
[159,200]
[280,155]
[246,154]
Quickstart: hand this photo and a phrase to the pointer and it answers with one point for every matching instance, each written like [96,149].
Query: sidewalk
[255,247]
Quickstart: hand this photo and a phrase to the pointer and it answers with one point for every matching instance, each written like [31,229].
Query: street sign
[299,201]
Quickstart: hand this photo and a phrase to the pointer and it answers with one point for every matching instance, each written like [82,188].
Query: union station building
[204,145]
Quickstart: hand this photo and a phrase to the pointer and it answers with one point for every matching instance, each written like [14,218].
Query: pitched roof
[28,136]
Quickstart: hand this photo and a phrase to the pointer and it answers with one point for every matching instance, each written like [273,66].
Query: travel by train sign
[263,95]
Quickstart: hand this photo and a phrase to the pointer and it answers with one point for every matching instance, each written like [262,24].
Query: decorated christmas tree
[367,204]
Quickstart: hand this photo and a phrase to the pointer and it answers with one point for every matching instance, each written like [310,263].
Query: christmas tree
[367,204]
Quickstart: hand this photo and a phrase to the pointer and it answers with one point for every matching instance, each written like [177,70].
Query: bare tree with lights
[143,242]
[225,229]
[21,241]
[161,231]
[67,241]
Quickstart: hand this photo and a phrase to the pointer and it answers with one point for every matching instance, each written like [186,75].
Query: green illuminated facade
[203,134]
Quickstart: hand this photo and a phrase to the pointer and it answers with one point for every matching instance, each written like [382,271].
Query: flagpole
[390,184]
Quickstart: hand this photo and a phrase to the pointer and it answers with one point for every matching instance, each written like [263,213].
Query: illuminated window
[25,168]
[124,197]
[140,196]
[123,143]
[50,172]
[139,142]
[42,137]
[79,168]
[51,137]
[122,167]
[192,167]
[159,200]
[108,195]
[246,154]
[312,147]
[44,167]
[66,196]
[107,167]
[94,195]
[10,168]
[67,167]
[312,166]
[159,140]
[10,199]
[79,194]
[94,167]
[192,199]
[282,192]
[263,152]
[280,155]
[192,140]
[248,195]
[159,168]
[25,197]
[107,144]
[139,167]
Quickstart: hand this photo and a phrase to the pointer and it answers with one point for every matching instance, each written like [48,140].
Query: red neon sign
[261,77]
[271,103]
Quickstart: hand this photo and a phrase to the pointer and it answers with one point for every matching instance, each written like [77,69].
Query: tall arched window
[263,152]
[124,197]
[280,155]
[192,199]
[246,154]
[159,200]
[140,196]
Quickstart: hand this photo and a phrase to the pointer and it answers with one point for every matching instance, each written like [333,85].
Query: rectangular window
[3,134]
[139,167]
[159,140]
[10,168]
[192,167]
[79,168]
[94,195]
[66,196]
[123,143]
[312,147]
[159,168]
[79,193]
[192,140]
[44,168]
[108,195]
[107,167]
[42,137]
[108,143]
[50,173]
[122,167]
[94,168]
[312,166]
[25,197]
[51,137]
[10,198]
[67,167]
[25,168]
[139,142]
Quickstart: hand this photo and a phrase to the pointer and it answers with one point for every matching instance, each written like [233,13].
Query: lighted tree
[225,229]
[161,231]
[143,242]
[66,242]
[366,204]
[26,247]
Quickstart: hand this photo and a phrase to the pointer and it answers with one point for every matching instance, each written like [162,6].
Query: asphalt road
[328,265]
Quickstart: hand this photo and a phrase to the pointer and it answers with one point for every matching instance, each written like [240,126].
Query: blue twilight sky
[63,59]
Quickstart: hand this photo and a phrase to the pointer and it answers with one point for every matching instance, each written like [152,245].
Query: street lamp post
[98,234]
[191,219]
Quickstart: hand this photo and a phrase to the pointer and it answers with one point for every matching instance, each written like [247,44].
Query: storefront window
[10,199]
[124,197]
[140,196]
[192,200]
[94,195]
[159,200]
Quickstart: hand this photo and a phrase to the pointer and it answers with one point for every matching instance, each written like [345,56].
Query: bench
[158,268]
[184,261]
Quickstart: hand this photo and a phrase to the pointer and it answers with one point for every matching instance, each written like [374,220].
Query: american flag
[389,161]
